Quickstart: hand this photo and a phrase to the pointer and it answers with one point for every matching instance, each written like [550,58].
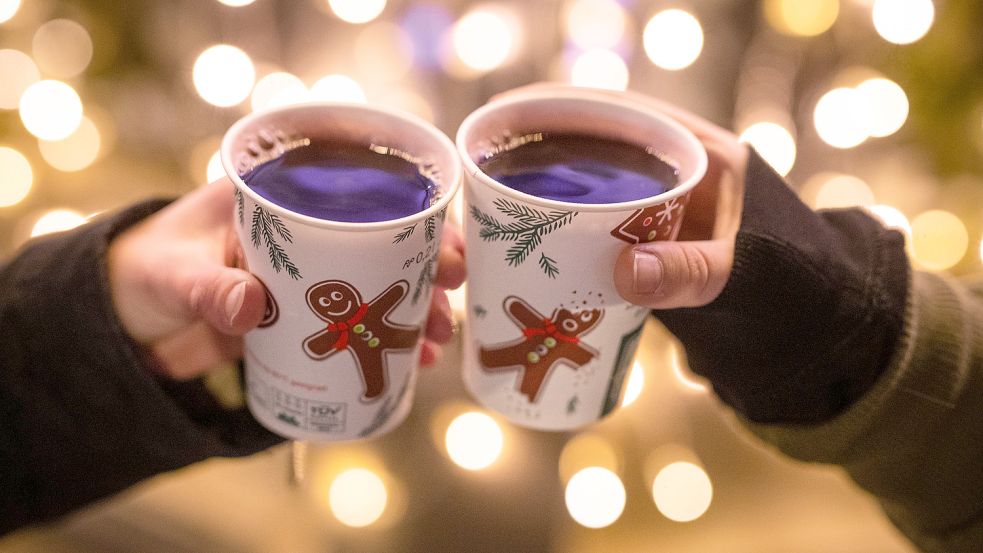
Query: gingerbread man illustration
[658,222]
[545,343]
[361,328]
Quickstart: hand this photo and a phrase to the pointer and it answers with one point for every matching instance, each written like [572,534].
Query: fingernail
[647,272]
[233,303]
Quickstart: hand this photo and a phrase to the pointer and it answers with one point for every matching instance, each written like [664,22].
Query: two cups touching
[346,241]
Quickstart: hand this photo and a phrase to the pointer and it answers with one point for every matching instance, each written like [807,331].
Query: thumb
[231,300]
[667,275]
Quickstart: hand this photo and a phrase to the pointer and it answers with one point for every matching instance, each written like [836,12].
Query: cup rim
[453,180]
[585,96]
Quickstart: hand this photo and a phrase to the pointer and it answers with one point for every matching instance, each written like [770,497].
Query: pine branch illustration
[240,203]
[406,233]
[280,227]
[423,281]
[548,265]
[430,228]
[522,248]
[521,212]
[443,215]
[256,224]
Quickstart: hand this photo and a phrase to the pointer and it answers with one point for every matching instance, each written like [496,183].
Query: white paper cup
[548,340]
[337,353]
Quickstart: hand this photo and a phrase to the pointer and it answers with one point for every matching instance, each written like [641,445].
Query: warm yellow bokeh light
[278,89]
[673,39]
[599,69]
[903,21]
[8,9]
[802,17]
[62,48]
[483,40]
[337,88]
[843,191]
[892,217]
[358,497]
[19,72]
[887,105]
[57,220]
[939,239]
[774,142]
[50,110]
[635,384]
[595,497]
[215,170]
[224,75]
[357,11]
[16,176]
[383,52]
[842,118]
[474,440]
[587,450]
[981,249]
[76,152]
[595,23]
[407,100]
[682,491]
[236,3]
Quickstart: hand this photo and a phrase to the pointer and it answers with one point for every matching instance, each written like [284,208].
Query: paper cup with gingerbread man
[336,355]
[547,339]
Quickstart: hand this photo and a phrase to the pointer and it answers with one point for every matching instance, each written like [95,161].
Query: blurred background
[876,103]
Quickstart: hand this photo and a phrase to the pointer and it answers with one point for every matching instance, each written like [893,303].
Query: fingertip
[451,270]
[430,354]
[245,304]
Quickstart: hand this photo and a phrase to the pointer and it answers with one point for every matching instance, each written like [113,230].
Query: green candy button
[358,329]
[550,342]
[533,357]
[374,342]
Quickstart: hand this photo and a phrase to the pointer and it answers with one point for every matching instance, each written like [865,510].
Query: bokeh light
[682,491]
[384,52]
[482,40]
[595,497]
[224,75]
[8,9]
[939,239]
[595,23]
[840,191]
[358,497]
[50,110]
[75,152]
[903,21]
[277,89]
[474,440]
[236,3]
[802,17]
[357,11]
[774,142]
[892,217]
[337,88]
[407,100]
[599,69]
[57,220]
[842,118]
[16,176]
[635,384]
[587,450]
[673,39]
[215,170]
[887,105]
[62,48]
[19,72]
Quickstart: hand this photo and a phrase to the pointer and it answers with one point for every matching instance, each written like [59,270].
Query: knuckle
[697,269]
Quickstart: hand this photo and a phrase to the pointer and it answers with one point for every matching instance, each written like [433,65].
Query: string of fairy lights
[860,106]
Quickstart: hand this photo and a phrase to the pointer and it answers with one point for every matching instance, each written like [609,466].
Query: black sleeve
[82,415]
[811,313]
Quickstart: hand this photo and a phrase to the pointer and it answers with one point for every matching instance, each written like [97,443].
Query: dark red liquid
[580,169]
[344,181]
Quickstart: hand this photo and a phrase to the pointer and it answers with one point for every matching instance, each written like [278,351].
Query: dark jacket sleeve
[82,415]
[812,311]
